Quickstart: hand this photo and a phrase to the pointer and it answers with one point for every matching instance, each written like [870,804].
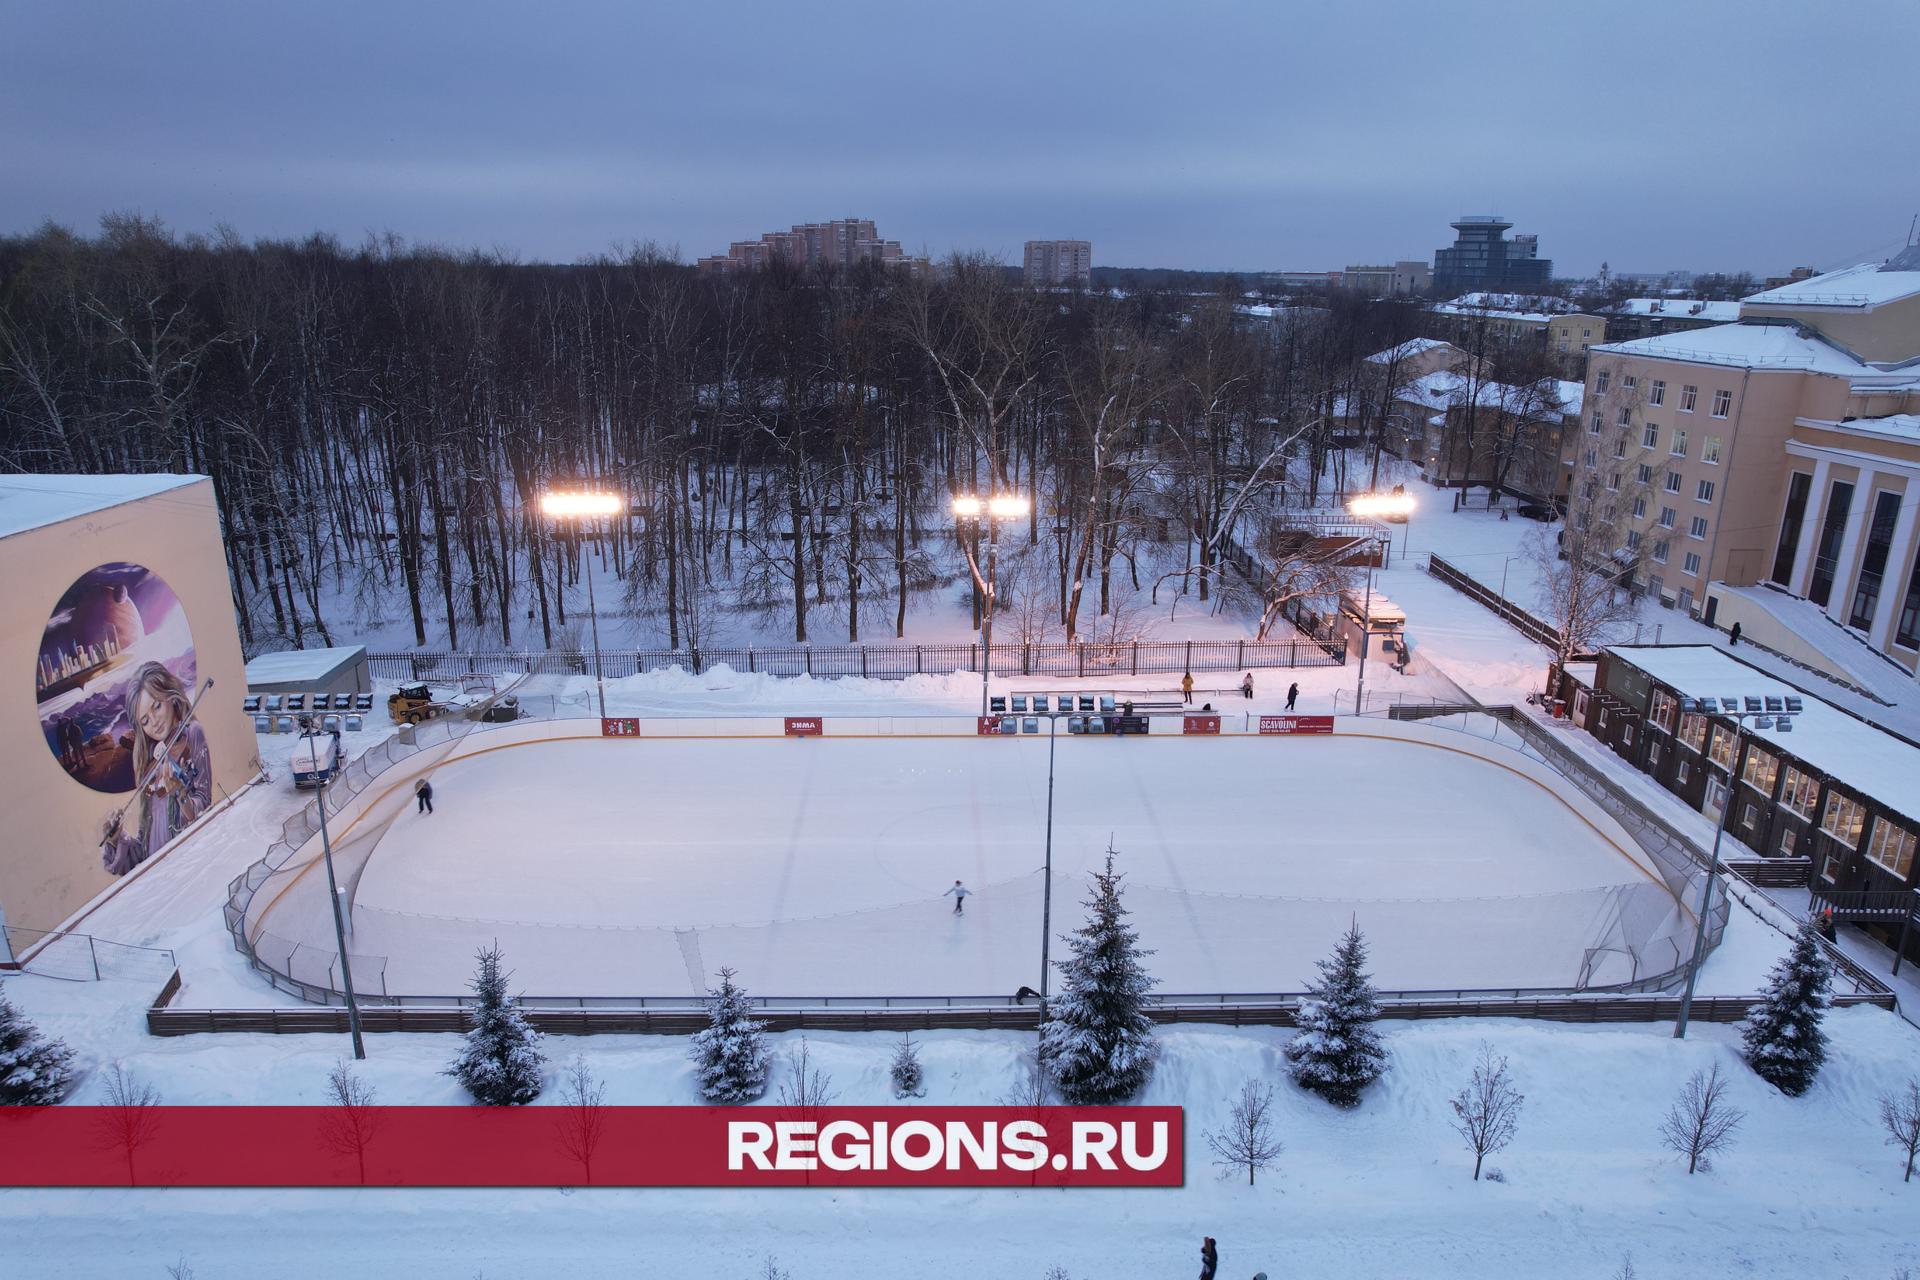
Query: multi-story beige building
[1059,262]
[1783,450]
[840,243]
[1480,320]
[1398,280]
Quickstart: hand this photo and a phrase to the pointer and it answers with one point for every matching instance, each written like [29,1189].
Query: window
[1891,848]
[1725,742]
[1653,755]
[1620,445]
[1626,414]
[1906,631]
[1664,706]
[1657,392]
[1799,792]
[1673,482]
[1646,474]
[1626,735]
[1722,403]
[1679,443]
[1629,382]
[1667,515]
[1593,427]
[1826,551]
[1693,730]
[1697,528]
[1586,491]
[1873,564]
[1703,492]
[1681,771]
[1633,539]
[1710,451]
[1592,456]
[1654,584]
[1691,565]
[1752,818]
[1600,381]
[1613,482]
[1683,600]
[1651,437]
[1639,508]
[1660,551]
[1760,770]
[1843,819]
[1830,869]
[1789,841]
[1689,394]
[1799,485]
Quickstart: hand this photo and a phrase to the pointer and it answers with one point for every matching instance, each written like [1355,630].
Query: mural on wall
[115,685]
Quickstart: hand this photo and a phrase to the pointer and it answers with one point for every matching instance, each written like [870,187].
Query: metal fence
[878,661]
[1526,623]
[82,957]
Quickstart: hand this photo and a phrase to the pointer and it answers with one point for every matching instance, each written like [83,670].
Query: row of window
[1657,393]
[1650,438]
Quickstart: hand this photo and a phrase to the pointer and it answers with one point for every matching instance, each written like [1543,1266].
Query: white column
[1840,601]
[1893,583]
[1810,521]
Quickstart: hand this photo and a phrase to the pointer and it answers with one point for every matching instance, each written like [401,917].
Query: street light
[1769,711]
[1387,506]
[993,510]
[586,505]
[333,889]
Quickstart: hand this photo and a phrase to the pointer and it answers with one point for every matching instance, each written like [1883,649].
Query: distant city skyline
[1229,137]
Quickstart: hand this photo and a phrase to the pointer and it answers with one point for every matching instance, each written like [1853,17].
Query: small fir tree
[501,1063]
[34,1071]
[1097,1042]
[1782,1038]
[906,1073]
[1336,1053]
[731,1055]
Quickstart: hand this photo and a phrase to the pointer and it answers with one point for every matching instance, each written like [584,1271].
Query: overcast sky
[1275,135]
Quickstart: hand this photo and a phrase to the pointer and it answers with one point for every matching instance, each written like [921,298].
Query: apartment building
[840,243]
[1554,325]
[1784,447]
[1649,317]
[1401,279]
[1050,263]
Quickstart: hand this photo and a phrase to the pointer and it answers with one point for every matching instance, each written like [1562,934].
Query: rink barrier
[927,1014]
[1080,660]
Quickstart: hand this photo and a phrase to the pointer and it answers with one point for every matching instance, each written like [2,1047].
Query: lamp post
[1046,890]
[1372,506]
[333,892]
[1738,710]
[993,510]
[586,505]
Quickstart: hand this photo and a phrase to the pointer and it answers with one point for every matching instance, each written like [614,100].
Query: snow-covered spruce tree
[1782,1038]
[906,1073]
[1336,1053]
[34,1071]
[1097,1042]
[730,1055]
[501,1063]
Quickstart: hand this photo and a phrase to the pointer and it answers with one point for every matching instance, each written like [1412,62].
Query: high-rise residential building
[1482,258]
[1058,262]
[839,243]
[1401,279]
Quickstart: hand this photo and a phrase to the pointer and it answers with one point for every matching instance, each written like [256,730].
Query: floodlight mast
[994,509]
[579,505]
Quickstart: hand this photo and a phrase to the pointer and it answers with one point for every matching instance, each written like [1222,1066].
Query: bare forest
[380,421]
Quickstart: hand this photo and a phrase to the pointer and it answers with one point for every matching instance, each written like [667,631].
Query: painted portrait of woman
[173,775]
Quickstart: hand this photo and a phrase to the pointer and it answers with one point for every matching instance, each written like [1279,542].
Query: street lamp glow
[1009,507]
[966,507]
[582,504]
[1382,504]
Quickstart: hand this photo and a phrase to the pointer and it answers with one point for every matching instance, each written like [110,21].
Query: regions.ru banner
[769,1146]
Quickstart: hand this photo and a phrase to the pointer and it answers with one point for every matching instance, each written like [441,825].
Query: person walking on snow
[959,894]
[1246,685]
[1293,694]
[423,792]
[1733,636]
[1186,688]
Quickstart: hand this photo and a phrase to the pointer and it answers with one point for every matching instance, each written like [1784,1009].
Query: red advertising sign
[804,726]
[612,1146]
[619,726]
[988,724]
[1296,724]
[1200,724]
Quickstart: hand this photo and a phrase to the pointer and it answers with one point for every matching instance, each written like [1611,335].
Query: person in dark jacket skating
[1293,694]
[423,792]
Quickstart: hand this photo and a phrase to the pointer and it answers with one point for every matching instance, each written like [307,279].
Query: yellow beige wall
[50,863]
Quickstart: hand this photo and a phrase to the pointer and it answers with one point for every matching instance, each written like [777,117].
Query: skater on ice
[423,792]
[1186,688]
[1246,685]
[959,894]
[1293,694]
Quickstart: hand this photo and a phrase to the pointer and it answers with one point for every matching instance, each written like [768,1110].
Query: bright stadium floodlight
[1009,507]
[1372,505]
[966,508]
[586,504]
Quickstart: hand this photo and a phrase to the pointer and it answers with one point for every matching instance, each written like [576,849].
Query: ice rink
[817,868]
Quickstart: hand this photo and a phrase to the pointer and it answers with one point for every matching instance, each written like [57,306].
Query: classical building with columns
[1780,452]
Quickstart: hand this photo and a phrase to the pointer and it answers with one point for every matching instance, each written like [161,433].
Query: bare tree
[1900,1117]
[130,1115]
[1487,1112]
[1626,1271]
[352,1119]
[806,1088]
[1247,1141]
[582,1114]
[1701,1120]
[772,1270]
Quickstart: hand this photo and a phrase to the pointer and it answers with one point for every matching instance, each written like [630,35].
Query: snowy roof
[1745,346]
[1573,395]
[1406,350]
[1904,427]
[32,502]
[1867,285]
[293,666]
[1679,308]
[1445,388]
[1528,303]
[1859,756]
